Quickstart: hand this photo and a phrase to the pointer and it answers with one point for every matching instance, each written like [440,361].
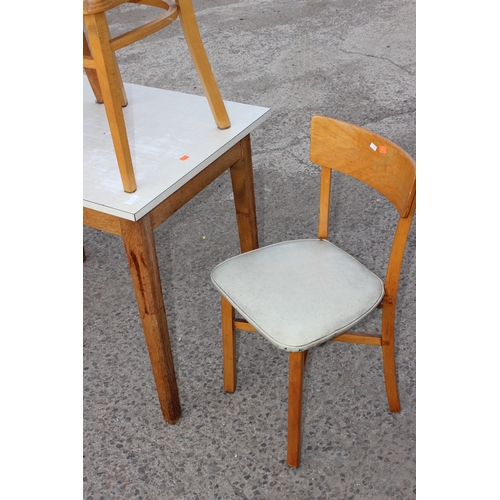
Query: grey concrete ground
[354,60]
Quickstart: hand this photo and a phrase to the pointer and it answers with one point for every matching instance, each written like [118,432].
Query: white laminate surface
[162,127]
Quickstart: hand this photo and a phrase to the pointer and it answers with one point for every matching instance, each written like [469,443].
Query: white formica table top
[172,138]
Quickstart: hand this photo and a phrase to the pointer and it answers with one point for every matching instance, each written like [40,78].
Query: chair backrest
[374,160]
[367,156]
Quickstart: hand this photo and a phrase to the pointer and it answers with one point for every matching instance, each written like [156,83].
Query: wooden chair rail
[242,324]
[359,338]
[353,337]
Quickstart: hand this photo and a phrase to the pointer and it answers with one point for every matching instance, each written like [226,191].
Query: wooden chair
[102,70]
[301,293]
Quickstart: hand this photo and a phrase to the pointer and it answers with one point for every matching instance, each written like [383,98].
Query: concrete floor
[346,59]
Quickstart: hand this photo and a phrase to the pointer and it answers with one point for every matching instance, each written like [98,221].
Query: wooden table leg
[140,247]
[244,197]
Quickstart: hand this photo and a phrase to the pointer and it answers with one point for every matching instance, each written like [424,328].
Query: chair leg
[196,48]
[388,358]
[228,345]
[91,73]
[123,94]
[391,385]
[111,86]
[296,373]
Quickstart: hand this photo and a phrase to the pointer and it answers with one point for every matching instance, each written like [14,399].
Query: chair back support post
[389,306]
[394,266]
[324,202]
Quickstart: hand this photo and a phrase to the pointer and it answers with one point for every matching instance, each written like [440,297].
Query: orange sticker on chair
[185,157]
[383,149]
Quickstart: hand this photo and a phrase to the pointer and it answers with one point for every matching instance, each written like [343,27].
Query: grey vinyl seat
[301,293]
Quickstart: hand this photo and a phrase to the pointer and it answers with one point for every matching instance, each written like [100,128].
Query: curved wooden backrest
[367,156]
